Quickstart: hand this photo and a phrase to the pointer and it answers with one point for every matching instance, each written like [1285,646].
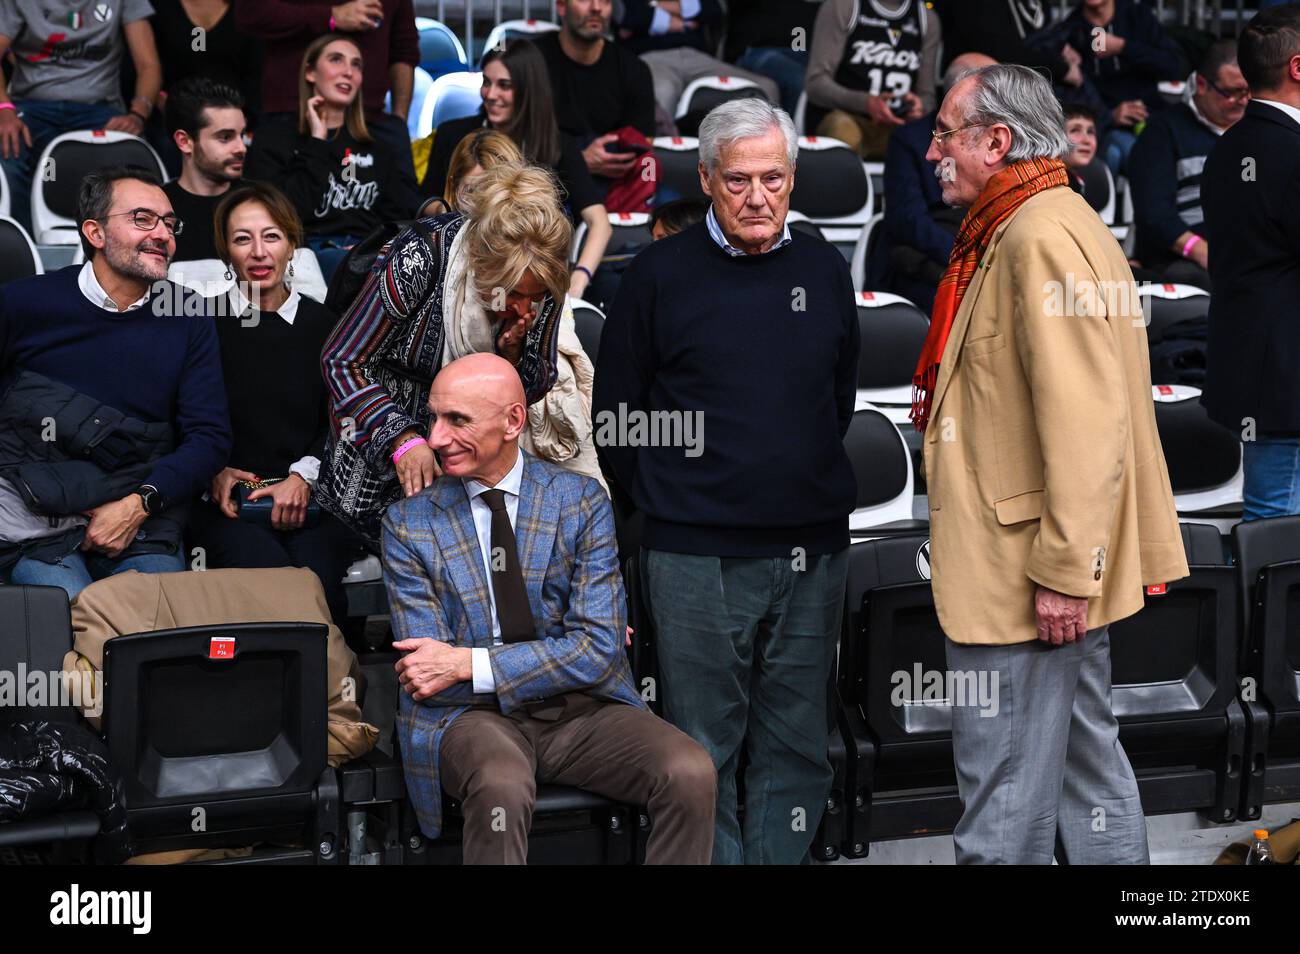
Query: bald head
[488,376]
[479,411]
[964,64]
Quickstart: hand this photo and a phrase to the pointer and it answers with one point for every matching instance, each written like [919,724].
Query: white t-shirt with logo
[69,49]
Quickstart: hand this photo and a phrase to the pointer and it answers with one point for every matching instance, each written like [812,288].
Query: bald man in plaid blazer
[485,720]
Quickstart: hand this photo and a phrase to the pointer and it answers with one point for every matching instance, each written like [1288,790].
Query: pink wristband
[333,26]
[7,106]
[397,454]
[1190,243]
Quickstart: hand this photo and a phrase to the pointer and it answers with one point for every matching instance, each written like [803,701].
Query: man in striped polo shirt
[1165,169]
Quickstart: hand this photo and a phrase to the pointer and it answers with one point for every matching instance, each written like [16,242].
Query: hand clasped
[431,666]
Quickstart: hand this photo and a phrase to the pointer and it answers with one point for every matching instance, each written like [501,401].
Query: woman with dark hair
[517,101]
[259,510]
[342,181]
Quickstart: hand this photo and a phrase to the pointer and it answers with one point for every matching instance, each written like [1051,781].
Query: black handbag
[259,511]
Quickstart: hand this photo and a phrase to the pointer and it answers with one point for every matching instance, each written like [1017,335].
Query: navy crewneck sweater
[763,350]
[151,367]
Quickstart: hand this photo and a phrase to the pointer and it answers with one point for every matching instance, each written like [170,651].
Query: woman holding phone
[517,101]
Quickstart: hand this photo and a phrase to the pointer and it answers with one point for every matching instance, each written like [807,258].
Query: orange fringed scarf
[1002,195]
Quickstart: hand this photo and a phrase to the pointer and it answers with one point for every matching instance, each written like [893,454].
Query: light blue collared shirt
[481,663]
[715,232]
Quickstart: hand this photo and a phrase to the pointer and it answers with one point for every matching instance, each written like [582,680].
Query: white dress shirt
[718,236]
[481,662]
[1285,107]
[308,468]
[95,294]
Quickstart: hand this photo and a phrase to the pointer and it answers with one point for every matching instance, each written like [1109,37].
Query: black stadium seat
[72,156]
[708,92]
[1174,677]
[1200,453]
[1267,554]
[18,255]
[589,322]
[892,331]
[35,634]
[882,468]
[679,160]
[1173,310]
[224,745]
[1099,189]
[1173,673]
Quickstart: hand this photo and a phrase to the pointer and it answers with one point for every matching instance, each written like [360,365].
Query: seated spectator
[383,30]
[600,89]
[513,239]
[227,57]
[342,180]
[999,29]
[771,38]
[67,75]
[523,680]
[103,499]
[1165,172]
[676,216]
[919,228]
[673,38]
[481,150]
[205,119]
[867,75]
[517,101]
[1125,60]
[271,339]
[1081,130]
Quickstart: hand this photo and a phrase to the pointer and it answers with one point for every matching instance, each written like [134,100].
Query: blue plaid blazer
[438,589]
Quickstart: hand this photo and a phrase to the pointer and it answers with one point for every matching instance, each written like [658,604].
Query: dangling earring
[229,274]
[288,277]
[291,269]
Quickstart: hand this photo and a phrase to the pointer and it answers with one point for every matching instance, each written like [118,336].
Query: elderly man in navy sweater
[725,384]
[114,337]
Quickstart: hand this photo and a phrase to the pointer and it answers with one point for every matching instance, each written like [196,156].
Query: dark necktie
[513,612]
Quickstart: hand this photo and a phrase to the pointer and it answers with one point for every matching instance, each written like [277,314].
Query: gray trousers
[1047,768]
[673,70]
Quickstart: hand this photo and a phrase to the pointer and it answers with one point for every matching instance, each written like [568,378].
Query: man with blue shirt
[752,330]
[112,406]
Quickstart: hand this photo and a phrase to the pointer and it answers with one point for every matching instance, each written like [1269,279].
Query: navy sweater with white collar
[151,367]
[762,350]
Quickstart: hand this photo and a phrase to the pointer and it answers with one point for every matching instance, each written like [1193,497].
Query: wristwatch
[150,499]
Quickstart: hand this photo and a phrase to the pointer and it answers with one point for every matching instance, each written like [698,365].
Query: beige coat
[145,602]
[1042,460]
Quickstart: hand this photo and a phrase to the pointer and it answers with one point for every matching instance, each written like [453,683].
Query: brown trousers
[492,763]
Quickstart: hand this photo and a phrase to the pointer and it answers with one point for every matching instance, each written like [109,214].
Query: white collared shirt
[481,662]
[308,468]
[715,232]
[1200,116]
[1285,107]
[95,294]
[288,311]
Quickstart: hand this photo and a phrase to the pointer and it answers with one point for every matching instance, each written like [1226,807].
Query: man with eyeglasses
[1166,165]
[112,406]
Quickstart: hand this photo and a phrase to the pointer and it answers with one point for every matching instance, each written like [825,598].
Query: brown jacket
[144,602]
[1042,459]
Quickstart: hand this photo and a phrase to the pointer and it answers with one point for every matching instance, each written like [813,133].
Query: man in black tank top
[872,67]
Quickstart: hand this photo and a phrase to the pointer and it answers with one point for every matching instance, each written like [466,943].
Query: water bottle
[1260,852]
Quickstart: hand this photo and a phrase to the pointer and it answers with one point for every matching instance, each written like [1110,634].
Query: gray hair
[1022,100]
[747,118]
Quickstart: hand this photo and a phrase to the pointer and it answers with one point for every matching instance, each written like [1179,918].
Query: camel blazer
[1042,459]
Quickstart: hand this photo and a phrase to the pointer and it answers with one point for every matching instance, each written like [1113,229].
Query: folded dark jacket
[66,453]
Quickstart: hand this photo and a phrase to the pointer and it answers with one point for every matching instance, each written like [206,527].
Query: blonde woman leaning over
[490,278]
